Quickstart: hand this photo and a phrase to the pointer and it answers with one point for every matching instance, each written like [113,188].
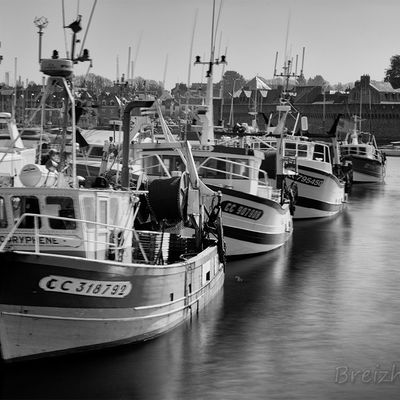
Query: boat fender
[292,194]
[116,241]
[112,245]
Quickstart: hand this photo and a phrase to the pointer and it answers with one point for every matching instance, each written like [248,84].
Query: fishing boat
[256,216]
[391,150]
[80,270]
[360,148]
[320,180]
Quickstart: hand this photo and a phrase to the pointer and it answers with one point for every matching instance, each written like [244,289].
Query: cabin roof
[98,137]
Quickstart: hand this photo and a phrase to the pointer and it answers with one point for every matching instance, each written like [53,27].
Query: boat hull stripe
[317,204]
[245,196]
[255,237]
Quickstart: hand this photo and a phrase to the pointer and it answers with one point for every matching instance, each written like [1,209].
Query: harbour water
[316,319]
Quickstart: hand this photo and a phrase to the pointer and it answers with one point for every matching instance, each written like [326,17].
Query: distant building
[378,101]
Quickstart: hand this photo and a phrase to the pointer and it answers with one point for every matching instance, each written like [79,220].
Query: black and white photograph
[199,199]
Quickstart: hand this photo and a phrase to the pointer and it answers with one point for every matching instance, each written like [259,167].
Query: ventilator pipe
[126,119]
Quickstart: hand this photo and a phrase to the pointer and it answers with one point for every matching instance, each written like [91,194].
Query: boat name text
[239,209]
[308,180]
[30,240]
[85,287]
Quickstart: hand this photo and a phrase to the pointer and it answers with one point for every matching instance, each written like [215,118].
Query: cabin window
[152,166]
[290,149]
[3,215]
[61,207]
[23,205]
[241,169]
[103,211]
[96,152]
[327,154]
[302,150]
[114,208]
[215,169]
[353,150]
[318,152]
[168,163]
[89,210]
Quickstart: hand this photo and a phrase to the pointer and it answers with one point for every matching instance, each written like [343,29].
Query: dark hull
[54,305]
[366,169]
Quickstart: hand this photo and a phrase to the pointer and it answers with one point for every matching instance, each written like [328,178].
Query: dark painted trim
[255,237]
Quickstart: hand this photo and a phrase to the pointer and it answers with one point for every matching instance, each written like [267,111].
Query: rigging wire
[87,29]
[64,28]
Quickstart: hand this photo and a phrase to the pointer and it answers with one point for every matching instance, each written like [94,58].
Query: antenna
[191,47]
[302,62]
[165,70]
[288,72]
[117,65]
[276,60]
[65,33]
[82,51]
[129,63]
[41,23]
[287,37]
[137,52]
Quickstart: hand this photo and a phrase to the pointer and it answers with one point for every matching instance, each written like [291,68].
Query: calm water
[317,319]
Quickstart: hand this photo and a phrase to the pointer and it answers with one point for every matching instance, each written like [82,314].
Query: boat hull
[253,224]
[44,314]
[366,169]
[320,194]
[391,152]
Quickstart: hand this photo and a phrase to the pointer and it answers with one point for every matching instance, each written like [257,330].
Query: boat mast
[207,132]
[189,73]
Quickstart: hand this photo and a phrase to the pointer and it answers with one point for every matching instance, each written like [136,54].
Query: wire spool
[168,198]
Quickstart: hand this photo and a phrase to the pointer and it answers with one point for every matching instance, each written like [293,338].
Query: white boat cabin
[77,222]
[232,168]
[301,149]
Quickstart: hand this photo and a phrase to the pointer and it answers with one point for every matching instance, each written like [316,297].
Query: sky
[343,39]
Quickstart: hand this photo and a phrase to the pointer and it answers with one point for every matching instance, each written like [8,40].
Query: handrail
[144,169]
[38,235]
[257,170]
[260,140]
[263,181]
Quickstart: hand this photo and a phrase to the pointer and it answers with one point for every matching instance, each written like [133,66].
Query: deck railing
[106,244]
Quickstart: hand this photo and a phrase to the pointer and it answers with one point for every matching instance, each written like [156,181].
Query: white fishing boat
[254,218]
[320,191]
[77,272]
[256,215]
[369,162]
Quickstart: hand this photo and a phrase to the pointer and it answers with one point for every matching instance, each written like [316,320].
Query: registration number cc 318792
[85,287]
